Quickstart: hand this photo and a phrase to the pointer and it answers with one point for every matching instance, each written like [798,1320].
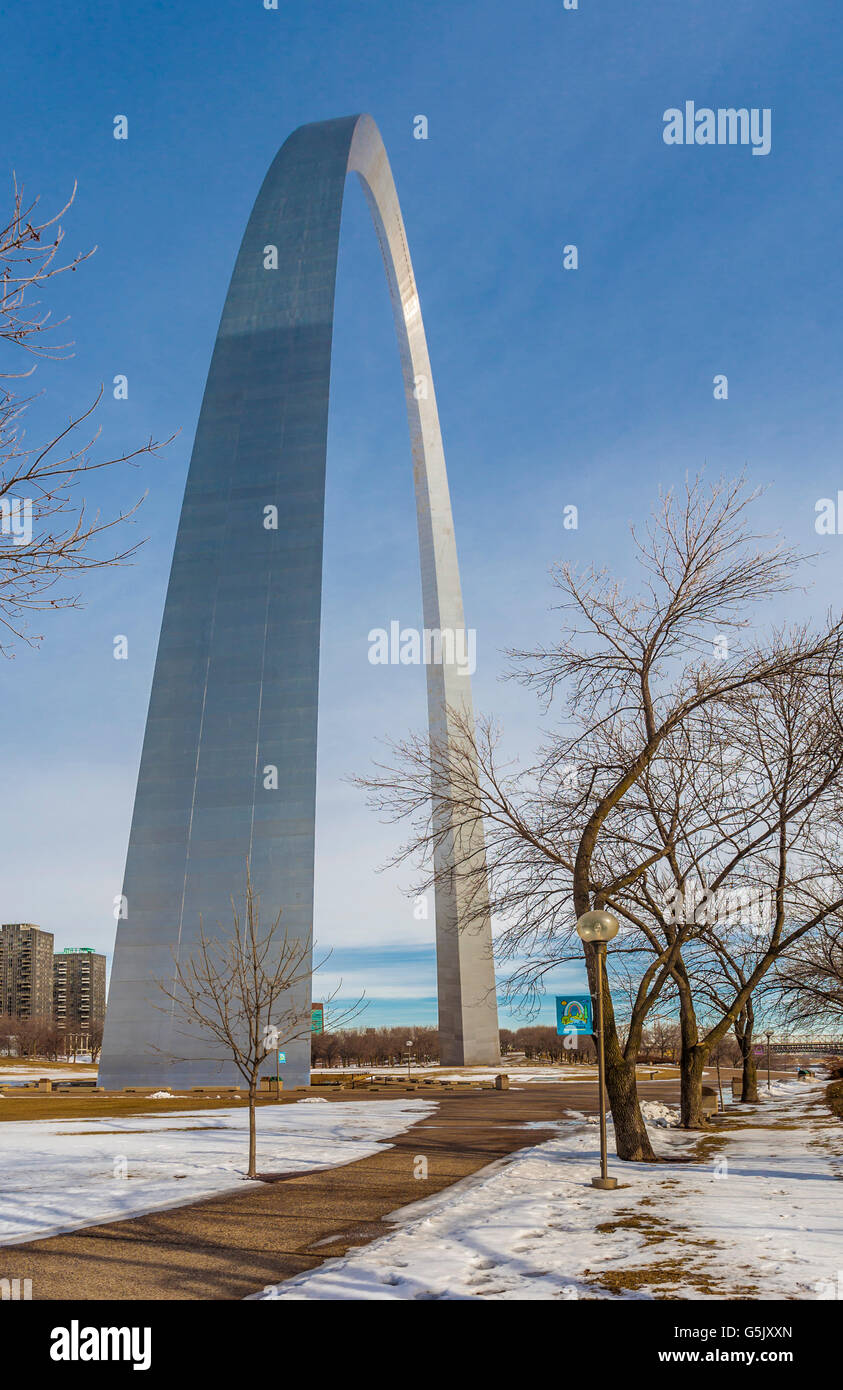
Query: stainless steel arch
[235,688]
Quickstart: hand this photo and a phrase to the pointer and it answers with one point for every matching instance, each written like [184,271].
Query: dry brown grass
[669,1279]
[50,1105]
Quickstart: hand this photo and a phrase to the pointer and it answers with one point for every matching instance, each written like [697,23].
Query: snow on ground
[11,1075]
[62,1174]
[655,1112]
[516,1074]
[767,1223]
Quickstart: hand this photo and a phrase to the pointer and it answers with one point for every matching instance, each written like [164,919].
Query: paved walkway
[229,1246]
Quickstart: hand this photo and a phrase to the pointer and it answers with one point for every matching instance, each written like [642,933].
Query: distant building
[26,970]
[78,989]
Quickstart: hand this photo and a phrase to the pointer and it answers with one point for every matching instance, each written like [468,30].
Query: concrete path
[229,1246]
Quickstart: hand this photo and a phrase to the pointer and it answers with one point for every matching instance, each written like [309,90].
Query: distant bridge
[810,1049]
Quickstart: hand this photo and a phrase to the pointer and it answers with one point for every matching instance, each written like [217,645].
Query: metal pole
[768,1061]
[601,1061]
[604,1180]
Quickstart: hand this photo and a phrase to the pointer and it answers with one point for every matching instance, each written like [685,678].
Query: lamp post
[768,1037]
[598,928]
[409,1057]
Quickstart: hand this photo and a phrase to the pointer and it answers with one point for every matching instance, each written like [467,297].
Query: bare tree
[35,1036]
[639,676]
[370,1047]
[722,976]
[660,1040]
[807,989]
[95,1040]
[8,1035]
[246,990]
[47,534]
[753,866]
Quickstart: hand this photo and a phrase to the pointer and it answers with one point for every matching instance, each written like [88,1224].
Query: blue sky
[588,387]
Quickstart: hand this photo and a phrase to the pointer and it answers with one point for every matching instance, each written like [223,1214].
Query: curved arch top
[235,689]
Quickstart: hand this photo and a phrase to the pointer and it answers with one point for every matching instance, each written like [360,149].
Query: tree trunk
[631,1138]
[252,1173]
[692,1058]
[749,1078]
[691,1067]
[744,1026]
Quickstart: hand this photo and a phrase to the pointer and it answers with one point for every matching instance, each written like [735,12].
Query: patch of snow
[11,1075]
[655,1112]
[759,1218]
[59,1175]
[517,1072]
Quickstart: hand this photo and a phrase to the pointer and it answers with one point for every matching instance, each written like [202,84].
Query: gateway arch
[235,688]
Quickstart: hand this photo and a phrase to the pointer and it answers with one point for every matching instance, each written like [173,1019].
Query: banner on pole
[574,1014]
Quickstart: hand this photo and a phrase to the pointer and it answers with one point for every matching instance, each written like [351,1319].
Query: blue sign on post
[574,1014]
[282,1057]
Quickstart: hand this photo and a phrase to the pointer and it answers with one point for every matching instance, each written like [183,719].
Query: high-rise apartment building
[79,989]
[26,970]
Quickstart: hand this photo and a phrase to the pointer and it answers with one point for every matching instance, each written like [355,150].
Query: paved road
[235,1244]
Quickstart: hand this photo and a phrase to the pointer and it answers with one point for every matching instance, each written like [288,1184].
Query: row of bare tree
[691,784]
[541,1043]
[371,1047]
[42,1038]
[374,1047]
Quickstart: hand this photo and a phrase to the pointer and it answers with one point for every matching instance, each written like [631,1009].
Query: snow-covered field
[69,1071]
[58,1175]
[760,1217]
[516,1075]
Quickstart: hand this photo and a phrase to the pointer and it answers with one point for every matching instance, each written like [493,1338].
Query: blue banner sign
[573,1014]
